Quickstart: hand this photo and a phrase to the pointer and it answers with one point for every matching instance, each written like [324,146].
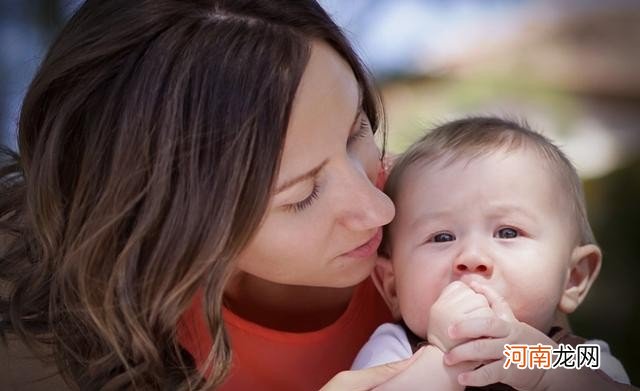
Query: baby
[490,246]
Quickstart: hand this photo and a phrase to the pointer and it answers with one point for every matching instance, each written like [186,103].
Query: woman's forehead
[324,108]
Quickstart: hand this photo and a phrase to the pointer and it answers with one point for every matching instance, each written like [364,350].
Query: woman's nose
[365,206]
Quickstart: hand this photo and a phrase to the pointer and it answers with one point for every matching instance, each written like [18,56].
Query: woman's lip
[367,249]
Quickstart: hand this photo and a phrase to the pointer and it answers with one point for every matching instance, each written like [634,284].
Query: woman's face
[322,226]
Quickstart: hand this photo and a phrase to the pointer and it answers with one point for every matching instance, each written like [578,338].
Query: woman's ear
[583,269]
[384,279]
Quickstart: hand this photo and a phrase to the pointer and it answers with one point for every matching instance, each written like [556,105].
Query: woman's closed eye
[305,203]
[364,130]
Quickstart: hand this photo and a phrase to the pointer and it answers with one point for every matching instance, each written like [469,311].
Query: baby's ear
[384,279]
[584,268]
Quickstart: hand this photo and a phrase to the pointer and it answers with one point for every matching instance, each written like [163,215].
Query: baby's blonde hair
[473,137]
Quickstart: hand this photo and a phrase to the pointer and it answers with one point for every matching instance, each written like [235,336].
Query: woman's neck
[283,307]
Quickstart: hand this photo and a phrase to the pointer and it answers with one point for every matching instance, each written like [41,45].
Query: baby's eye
[507,233]
[442,237]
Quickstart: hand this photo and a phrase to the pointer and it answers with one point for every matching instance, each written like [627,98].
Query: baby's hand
[456,303]
[486,338]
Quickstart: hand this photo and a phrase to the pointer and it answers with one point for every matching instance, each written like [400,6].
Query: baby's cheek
[534,295]
[415,310]
[536,308]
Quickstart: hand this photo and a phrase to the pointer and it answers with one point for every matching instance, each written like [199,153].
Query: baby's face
[500,219]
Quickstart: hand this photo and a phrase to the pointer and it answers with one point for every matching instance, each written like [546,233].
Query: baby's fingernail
[451,331]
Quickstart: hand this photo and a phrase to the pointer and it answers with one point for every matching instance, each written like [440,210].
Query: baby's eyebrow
[501,210]
[428,217]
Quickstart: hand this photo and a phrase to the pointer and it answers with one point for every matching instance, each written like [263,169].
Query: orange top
[266,359]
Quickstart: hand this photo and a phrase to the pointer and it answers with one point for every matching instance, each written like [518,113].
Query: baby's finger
[454,288]
[479,327]
[474,302]
[496,301]
[485,375]
[482,349]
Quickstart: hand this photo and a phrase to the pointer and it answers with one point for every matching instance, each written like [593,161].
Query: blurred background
[570,68]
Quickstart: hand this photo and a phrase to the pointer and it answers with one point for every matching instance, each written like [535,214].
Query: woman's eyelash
[362,131]
[300,206]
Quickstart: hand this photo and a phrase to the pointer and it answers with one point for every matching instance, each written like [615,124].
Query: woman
[195,195]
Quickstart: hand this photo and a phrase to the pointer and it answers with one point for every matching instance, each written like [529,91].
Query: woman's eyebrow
[310,174]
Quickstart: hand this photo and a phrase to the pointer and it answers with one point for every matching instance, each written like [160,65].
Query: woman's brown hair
[149,141]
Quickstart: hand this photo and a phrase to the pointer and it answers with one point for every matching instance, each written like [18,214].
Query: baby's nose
[473,262]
